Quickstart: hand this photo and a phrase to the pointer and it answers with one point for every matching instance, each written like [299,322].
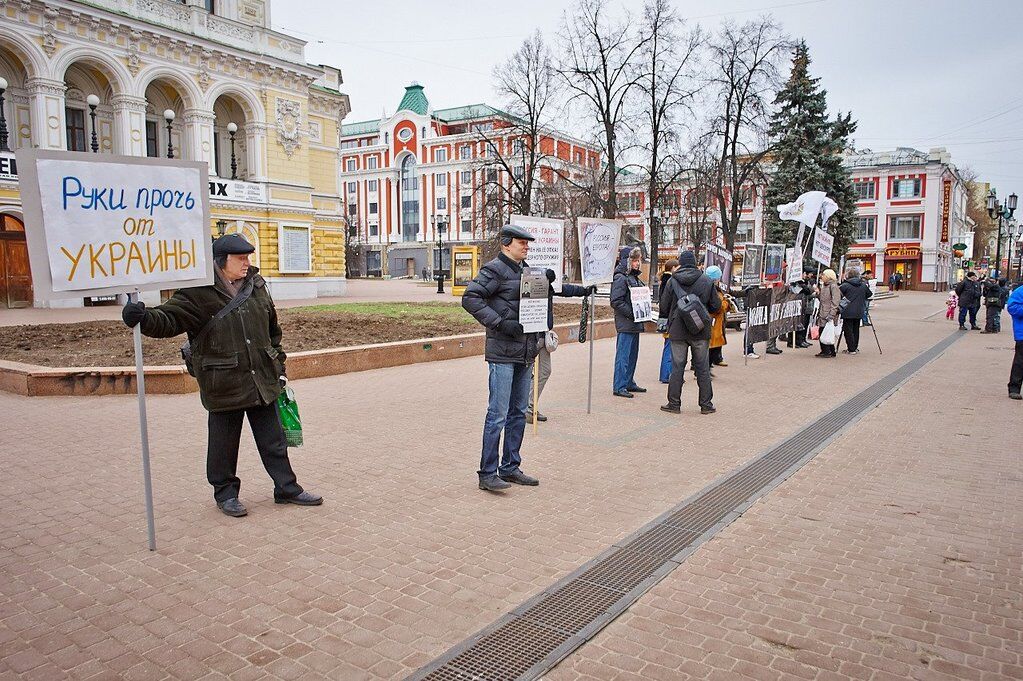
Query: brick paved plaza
[894,554]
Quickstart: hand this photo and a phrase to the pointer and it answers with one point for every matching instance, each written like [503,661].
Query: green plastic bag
[290,420]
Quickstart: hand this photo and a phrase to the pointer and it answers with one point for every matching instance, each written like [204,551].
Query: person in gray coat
[830,296]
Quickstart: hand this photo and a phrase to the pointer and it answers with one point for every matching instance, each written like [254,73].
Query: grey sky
[913,72]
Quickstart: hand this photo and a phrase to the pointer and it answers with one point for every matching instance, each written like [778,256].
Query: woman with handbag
[827,313]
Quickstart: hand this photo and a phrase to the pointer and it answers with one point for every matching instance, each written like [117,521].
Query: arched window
[409,198]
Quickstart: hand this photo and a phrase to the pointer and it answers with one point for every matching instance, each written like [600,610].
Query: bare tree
[744,74]
[600,66]
[668,85]
[353,247]
[570,196]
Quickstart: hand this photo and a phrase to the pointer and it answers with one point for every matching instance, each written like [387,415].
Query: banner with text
[823,244]
[548,251]
[598,249]
[786,312]
[753,264]
[98,225]
[758,309]
[794,264]
[533,300]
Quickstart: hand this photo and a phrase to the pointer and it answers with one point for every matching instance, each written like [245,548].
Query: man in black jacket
[855,294]
[994,301]
[567,291]
[493,299]
[969,294]
[688,280]
[626,277]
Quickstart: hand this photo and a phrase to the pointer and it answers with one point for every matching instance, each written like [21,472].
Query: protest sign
[758,309]
[98,224]
[794,263]
[598,249]
[753,264]
[642,304]
[715,255]
[823,243]
[786,312]
[533,300]
[548,251]
[774,257]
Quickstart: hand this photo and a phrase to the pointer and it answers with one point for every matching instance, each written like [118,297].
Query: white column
[129,125]
[198,138]
[255,151]
[48,126]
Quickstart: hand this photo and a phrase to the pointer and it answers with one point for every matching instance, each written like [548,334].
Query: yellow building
[204,80]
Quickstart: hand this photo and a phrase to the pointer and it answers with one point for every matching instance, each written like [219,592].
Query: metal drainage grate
[536,636]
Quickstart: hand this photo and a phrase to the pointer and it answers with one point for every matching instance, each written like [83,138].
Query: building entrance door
[410,268]
[907,269]
[15,274]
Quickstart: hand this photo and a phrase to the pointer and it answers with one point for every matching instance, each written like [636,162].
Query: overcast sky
[917,73]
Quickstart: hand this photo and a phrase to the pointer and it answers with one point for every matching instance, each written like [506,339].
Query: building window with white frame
[904,227]
[866,228]
[744,232]
[466,177]
[440,180]
[371,163]
[865,191]
[517,146]
[465,152]
[466,226]
[353,187]
[371,185]
[372,207]
[440,155]
[906,189]
[350,165]
[519,172]
[467,202]
[442,203]
[374,229]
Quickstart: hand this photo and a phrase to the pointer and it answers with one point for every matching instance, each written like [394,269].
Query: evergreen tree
[807,155]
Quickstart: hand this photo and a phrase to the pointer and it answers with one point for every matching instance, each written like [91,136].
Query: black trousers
[225,431]
[1016,375]
[851,331]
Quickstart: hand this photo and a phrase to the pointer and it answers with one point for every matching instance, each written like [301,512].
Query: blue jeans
[506,411]
[666,361]
[973,315]
[866,312]
[626,356]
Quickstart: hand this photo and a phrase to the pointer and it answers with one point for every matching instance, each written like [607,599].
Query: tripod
[870,322]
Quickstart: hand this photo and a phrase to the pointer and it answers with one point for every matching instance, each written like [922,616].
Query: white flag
[828,208]
[805,209]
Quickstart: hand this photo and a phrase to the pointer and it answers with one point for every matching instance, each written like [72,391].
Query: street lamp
[93,102]
[168,115]
[232,128]
[1001,214]
[440,223]
[3,118]
[221,227]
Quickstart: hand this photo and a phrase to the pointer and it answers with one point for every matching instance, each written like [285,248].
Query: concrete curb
[37,381]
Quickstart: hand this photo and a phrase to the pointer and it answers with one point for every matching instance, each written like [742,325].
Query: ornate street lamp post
[1001,214]
[440,223]
[232,128]
[168,115]
[93,102]
[3,118]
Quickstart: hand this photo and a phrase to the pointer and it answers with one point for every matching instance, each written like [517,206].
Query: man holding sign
[494,299]
[236,356]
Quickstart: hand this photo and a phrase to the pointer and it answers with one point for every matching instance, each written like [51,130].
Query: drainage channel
[533,638]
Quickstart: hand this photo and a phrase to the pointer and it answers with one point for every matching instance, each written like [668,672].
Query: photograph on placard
[598,249]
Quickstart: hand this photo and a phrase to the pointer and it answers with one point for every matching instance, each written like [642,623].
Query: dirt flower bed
[109,343]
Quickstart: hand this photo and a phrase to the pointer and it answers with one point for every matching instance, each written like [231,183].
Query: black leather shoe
[1015,396]
[303,499]
[707,410]
[671,409]
[539,417]
[232,507]
[974,328]
[774,351]
[520,478]
[637,389]
[804,345]
[492,483]
[622,393]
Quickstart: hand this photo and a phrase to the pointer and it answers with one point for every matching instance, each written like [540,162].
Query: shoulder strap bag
[232,305]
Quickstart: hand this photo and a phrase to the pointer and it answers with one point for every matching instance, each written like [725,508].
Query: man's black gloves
[590,290]
[133,313]
[510,327]
[551,276]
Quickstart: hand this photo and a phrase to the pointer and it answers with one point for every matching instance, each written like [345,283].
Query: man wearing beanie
[692,285]
[237,359]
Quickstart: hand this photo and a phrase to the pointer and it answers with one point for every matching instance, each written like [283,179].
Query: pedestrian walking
[239,364]
[626,276]
[547,343]
[969,293]
[493,299]
[855,294]
[665,373]
[830,296]
[718,341]
[689,330]
[1014,307]
[898,281]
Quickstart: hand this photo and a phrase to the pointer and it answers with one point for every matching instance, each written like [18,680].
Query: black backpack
[695,316]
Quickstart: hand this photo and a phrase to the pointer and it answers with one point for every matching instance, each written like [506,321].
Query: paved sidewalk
[407,558]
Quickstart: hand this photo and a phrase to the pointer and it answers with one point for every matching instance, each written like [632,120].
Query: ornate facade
[199,80]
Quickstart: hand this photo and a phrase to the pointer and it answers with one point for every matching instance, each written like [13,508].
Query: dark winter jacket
[621,299]
[567,291]
[992,290]
[693,281]
[968,291]
[239,361]
[855,294]
[492,298]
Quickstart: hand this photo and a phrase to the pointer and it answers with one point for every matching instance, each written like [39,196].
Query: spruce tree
[807,155]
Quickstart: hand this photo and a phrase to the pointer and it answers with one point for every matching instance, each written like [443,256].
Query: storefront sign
[945,209]
[902,252]
[8,167]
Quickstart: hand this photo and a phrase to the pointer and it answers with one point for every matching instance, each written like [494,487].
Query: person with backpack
[687,303]
[626,277]
[994,301]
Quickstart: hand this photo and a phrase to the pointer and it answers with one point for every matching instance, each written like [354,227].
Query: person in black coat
[855,294]
[969,294]
[688,280]
[493,299]
[567,291]
[994,300]
[626,276]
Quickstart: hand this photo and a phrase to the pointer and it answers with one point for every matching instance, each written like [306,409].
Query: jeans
[993,321]
[626,356]
[866,312]
[666,361]
[973,315]
[851,331]
[506,411]
[225,430]
[1016,375]
[541,379]
[701,363]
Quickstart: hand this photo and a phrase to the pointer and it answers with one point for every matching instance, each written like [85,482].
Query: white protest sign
[533,300]
[642,305]
[548,250]
[823,243]
[794,263]
[598,249]
[101,224]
